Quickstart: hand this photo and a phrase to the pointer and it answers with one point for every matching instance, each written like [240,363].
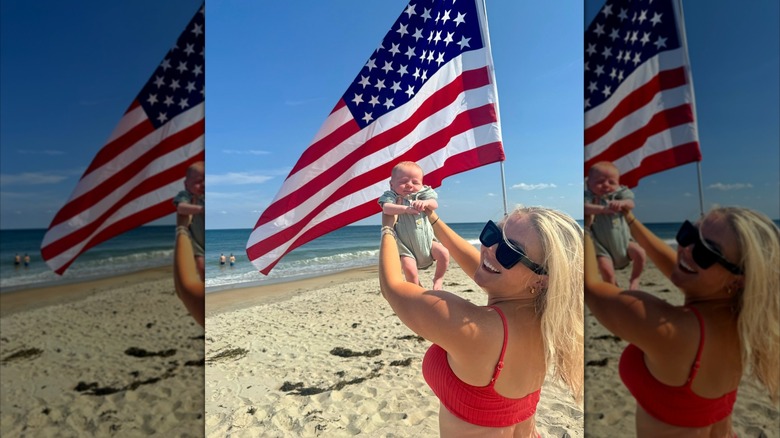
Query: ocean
[141,248]
[152,246]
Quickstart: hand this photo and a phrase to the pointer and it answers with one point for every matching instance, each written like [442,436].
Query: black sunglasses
[702,254]
[505,254]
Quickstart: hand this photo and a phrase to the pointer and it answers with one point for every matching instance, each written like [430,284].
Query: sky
[734,50]
[68,71]
[274,73]
[276,69]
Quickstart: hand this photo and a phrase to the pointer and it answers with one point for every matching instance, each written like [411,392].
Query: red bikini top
[480,405]
[675,405]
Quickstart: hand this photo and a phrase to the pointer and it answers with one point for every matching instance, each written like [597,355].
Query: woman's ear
[541,283]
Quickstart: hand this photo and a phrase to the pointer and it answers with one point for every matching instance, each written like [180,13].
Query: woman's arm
[189,287]
[634,316]
[464,253]
[663,256]
[438,316]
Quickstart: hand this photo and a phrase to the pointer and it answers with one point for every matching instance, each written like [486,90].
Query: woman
[685,362]
[489,362]
[186,278]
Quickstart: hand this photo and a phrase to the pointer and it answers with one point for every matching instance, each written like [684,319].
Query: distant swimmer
[222,259]
[26,260]
[232,260]
[17,260]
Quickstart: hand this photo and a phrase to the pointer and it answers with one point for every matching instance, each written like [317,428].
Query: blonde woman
[488,363]
[685,362]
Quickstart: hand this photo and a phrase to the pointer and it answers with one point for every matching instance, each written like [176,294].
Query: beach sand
[328,357]
[609,407]
[113,357]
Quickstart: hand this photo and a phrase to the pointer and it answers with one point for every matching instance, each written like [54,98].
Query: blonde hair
[758,322]
[560,305]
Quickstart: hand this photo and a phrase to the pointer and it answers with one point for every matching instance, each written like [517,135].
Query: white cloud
[31,178]
[687,195]
[529,187]
[491,194]
[725,187]
[236,178]
[246,152]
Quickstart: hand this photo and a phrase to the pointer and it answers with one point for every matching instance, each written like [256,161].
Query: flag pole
[503,187]
[684,38]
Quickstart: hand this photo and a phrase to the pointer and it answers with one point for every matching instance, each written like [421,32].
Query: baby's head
[603,178]
[194,181]
[406,178]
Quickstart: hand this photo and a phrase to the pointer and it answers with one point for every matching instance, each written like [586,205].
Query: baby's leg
[607,269]
[409,266]
[442,257]
[637,256]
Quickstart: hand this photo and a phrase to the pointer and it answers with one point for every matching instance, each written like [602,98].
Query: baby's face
[407,180]
[603,182]
[195,183]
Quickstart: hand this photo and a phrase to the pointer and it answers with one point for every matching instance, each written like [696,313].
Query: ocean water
[141,248]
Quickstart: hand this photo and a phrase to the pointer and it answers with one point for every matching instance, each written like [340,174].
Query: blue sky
[734,49]
[274,72]
[68,71]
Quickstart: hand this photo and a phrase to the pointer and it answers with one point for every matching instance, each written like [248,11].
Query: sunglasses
[702,254]
[505,254]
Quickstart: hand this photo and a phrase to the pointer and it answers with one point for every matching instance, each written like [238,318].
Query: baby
[606,199]
[191,202]
[408,199]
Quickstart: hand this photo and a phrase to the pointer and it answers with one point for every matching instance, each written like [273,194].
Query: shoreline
[36,297]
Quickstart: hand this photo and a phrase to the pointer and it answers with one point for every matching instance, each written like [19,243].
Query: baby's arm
[395,209]
[422,205]
[186,208]
[598,209]
[621,205]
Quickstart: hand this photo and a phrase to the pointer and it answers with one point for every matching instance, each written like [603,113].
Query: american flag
[135,175]
[427,94]
[639,110]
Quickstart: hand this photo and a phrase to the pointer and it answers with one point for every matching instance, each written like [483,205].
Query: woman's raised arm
[464,253]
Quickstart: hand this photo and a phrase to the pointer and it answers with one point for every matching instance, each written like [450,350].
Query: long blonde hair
[560,305]
[758,322]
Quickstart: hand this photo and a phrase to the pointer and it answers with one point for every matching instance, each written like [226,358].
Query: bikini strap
[500,364]
[697,362]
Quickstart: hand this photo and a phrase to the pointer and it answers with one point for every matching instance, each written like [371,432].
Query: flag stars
[660,43]
[190,49]
[592,87]
[634,36]
[368,117]
[607,52]
[374,101]
[388,67]
[159,81]
[190,86]
[183,103]
[358,99]
[410,53]
[416,73]
[636,59]
[388,103]
[607,91]
[464,42]
[380,84]
[423,56]
[410,11]
[197,29]
[175,84]
[364,81]
[620,76]
[402,70]
[198,70]
[645,38]
[424,75]
[396,86]
[394,49]
[642,16]
[448,38]
[591,49]
[152,99]
[371,64]
[461,18]
[162,117]
[599,30]
[410,91]
[168,101]
[613,73]
[182,67]
[166,64]
[656,18]
[613,35]
[440,59]
[623,15]
[417,34]
[607,10]
[430,56]
[402,29]
[437,38]
[599,70]
[446,17]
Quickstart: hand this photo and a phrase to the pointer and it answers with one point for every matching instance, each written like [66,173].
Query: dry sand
[112,357]
[279,363]
[609,407]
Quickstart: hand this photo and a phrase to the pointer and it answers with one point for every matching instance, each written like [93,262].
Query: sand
[609,407]
[112,357]
[328,357]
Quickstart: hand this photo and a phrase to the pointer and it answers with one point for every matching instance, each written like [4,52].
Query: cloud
[726,187]
[529,187]
[246,152]
[301,102]
[43,152]
[31,178]
[491,194]
[236,178]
